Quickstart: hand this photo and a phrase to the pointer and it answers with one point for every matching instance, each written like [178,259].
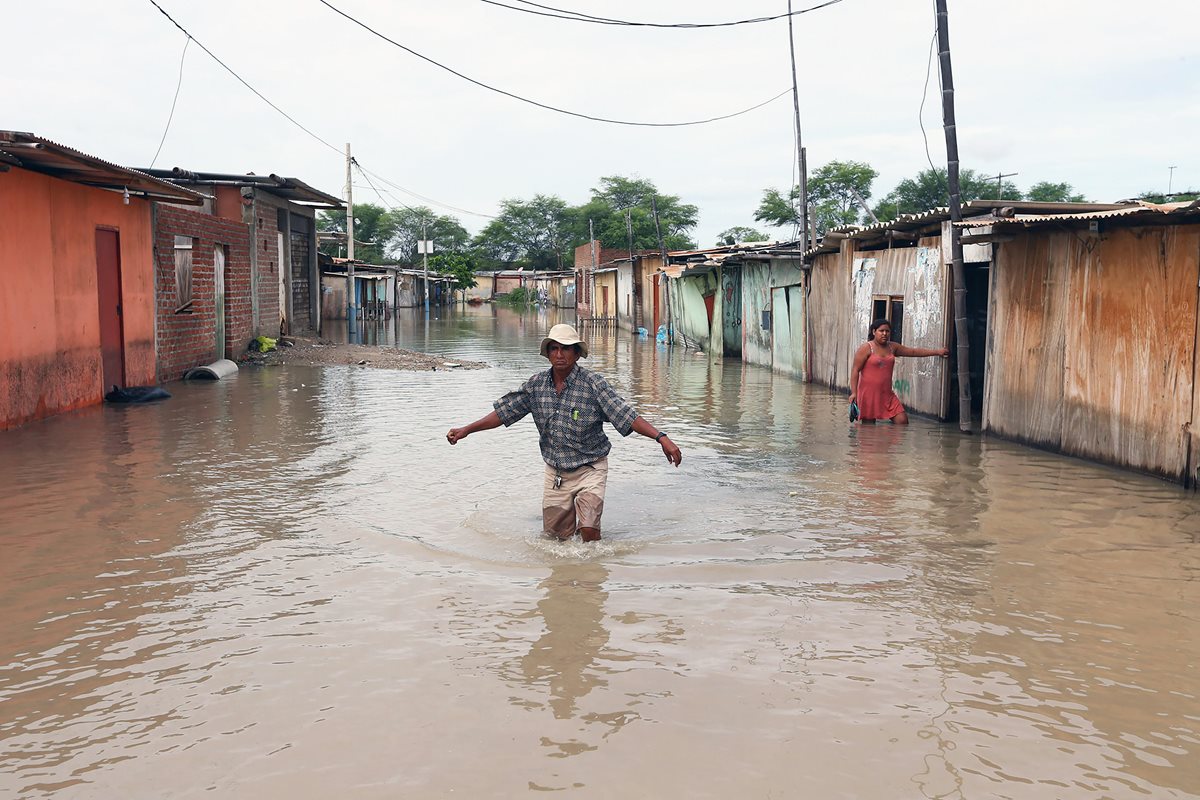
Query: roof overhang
[291,189]
[27,151]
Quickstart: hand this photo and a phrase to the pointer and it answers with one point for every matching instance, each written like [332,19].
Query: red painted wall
[49,322]
[188,339]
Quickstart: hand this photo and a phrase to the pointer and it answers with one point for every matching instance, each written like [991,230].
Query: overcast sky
[1103,95]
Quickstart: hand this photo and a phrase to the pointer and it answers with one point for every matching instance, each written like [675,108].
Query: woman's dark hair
[875,326]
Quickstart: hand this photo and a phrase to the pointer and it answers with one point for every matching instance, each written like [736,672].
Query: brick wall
[266,252]
[188,339]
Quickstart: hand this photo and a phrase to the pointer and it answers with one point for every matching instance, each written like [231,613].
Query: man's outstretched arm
[670,450]
[492,420]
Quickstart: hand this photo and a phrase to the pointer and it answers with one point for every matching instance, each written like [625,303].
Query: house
[203,286]
[281,216]
[77,310]
[590,300]
[1093,333]
[1081,320]
[744,301]
[638,305]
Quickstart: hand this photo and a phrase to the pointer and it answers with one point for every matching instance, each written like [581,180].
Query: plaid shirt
[571,424]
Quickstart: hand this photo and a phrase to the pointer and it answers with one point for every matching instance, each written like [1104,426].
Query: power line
[490,88]
[174,100]
[924,94]
[240,80]
[577,16]
[286,116]
[398,187]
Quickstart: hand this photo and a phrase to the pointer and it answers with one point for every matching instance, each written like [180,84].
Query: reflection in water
[286,585]
[564,658]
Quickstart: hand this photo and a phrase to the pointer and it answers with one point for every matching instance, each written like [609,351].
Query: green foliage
[373,229]
[620,205]
[446,233]
[528,233]
[1047,192]
[389,236]
[1174,197]
[929,189]
[520,296]
[740,233]
[460,266]
[543,232]
[777,210]
[833,191]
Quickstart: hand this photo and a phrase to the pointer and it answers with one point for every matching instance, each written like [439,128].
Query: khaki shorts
[578,502]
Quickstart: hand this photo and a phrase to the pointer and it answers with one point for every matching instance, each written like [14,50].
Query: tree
[1047,192]
[929,189]
[740,233]
[373,230]
[617,198]
[834,190]
[534,233]
[460,266]
[446,233]
[1173,197]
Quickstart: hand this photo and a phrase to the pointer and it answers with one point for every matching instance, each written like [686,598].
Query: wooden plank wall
[1023,395]
[1129,377]
[833,332]
[1093,344]
[918,275]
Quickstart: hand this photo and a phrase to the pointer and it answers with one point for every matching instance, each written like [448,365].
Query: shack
[281,215]
[1093,333]
[77,310]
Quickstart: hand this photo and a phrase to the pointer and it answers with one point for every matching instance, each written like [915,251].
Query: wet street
[288,585]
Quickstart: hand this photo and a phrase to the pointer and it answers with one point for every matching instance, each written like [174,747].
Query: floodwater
[288,585]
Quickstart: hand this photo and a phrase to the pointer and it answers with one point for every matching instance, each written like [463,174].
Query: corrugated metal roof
[1138,207]
[293,189]
[980,213]
[42,155]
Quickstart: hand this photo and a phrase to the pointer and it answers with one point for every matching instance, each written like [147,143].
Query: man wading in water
[570,405]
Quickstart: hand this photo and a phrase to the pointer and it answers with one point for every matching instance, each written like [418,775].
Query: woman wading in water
[871,375]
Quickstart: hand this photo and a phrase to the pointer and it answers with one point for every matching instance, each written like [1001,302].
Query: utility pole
[590,278]
[350,311]
[662,250]
[999,183]
[1170,180]
[425,261]
[959,280]
[800,154]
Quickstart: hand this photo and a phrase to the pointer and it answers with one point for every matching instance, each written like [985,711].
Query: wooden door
[108,293]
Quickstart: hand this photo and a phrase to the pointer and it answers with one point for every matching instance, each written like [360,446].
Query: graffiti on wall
[863,278]
[924,312]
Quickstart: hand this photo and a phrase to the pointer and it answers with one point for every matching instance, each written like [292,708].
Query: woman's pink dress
[876,399]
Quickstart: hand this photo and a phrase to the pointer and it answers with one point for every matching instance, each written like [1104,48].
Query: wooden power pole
[959,280]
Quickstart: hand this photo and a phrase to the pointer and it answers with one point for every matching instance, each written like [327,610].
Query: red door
[108,291]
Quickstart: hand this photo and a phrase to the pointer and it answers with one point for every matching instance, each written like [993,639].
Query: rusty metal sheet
[1023,395]
[38,154]
[1128,368]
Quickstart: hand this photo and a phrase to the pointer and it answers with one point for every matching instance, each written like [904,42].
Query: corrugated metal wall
[834,334]
[1093,345]
[843,285]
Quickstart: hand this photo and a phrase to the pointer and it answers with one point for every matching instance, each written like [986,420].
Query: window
[891,308]
[183,273]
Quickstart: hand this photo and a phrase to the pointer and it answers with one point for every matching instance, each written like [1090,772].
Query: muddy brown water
[288,585]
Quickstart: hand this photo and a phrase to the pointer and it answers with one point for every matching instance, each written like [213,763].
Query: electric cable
[924,95]
[577,16]
[286,116]
[174,100]
[546,106]
[240,80]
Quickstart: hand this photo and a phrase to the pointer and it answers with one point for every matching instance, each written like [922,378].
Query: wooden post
[958,275]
